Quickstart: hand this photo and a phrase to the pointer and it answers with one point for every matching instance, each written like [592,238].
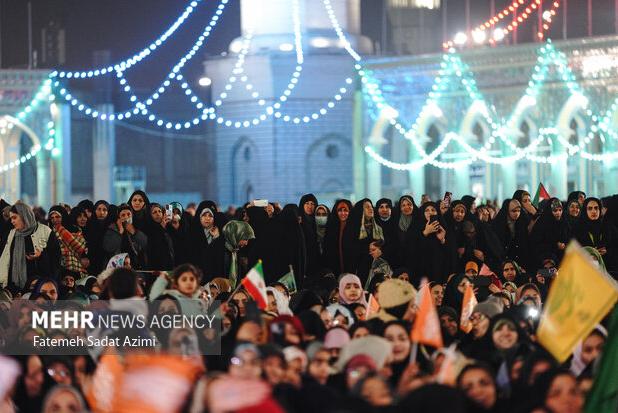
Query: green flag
[289,281]
[603,397]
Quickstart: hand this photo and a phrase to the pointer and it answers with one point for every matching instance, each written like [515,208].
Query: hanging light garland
[138,57]
[42,95]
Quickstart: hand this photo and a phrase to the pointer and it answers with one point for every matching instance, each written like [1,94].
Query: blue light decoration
[452,64]
[138,57]
[42,95]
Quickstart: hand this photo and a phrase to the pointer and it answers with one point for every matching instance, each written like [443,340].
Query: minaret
[276,158]
[273,26]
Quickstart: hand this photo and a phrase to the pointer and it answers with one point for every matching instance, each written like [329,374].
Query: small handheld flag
[255,285]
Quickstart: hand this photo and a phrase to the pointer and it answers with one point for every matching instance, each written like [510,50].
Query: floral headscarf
[234,232]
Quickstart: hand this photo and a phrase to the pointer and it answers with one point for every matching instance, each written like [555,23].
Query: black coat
[160,251]
[287,245]
[310,234]
[339,248]
[516,245]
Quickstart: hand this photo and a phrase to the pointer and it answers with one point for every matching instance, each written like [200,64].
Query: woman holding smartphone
[31,250]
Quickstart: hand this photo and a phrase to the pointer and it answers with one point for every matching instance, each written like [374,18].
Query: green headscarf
[234,232]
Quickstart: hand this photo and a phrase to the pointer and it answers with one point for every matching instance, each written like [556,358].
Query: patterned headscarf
[234,232]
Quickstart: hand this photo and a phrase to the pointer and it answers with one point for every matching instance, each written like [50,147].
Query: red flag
[467,306]
[426,329]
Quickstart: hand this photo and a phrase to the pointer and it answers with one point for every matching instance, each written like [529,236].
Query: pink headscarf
[351,279]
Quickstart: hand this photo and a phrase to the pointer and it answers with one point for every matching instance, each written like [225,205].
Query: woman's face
[50,289]
[429,212]
[321,212]
[82,219]
[352,292]
[207,220]
[508,271]
[368,209]
[55,218]
[101,211]
[168,306]
[327,318]
[125,215]
[60,373]
[406,207]
[574,209]
[563,395]
[374,251]
[246,365]
[480,324]
[308,207]
[437,292]
[463,284]
[360,312]
[137,203]
[384,211]
[156,214]
[479,387]
[360,332]
[459,213]
[592,348]
[398,337]
[343,212]
[34,377]
[17,221]
[483,214]
[292,335]
[514,210]
[593,210]
[505,337]
[376,392]
[63,401]
[272,303]
[557,213]
[241,300]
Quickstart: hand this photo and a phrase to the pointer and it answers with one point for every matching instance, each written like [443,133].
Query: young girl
[351,290]
[185,288]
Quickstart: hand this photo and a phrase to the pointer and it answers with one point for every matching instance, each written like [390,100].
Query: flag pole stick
[413,352]
[233,292]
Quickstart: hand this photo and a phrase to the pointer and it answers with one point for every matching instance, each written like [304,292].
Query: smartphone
[169,212]
[260,203]
[447,199]
[547,272]
[434,218]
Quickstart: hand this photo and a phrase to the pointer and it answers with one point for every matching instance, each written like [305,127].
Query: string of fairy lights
[453,73]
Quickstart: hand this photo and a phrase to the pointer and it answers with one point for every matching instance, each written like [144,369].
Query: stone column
[61,154]
[44,178]
[103,156]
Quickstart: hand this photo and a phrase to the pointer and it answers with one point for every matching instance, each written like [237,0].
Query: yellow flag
[580,296]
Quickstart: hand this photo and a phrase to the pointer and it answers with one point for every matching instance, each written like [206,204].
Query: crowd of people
[336,338]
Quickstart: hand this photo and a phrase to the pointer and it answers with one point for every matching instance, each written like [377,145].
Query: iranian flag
[541,194]
[255,286]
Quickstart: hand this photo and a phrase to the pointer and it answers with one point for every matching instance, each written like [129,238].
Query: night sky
[125,26]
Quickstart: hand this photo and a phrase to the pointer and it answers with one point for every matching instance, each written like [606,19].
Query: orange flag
[426,329]
[467,306]
[372,306]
